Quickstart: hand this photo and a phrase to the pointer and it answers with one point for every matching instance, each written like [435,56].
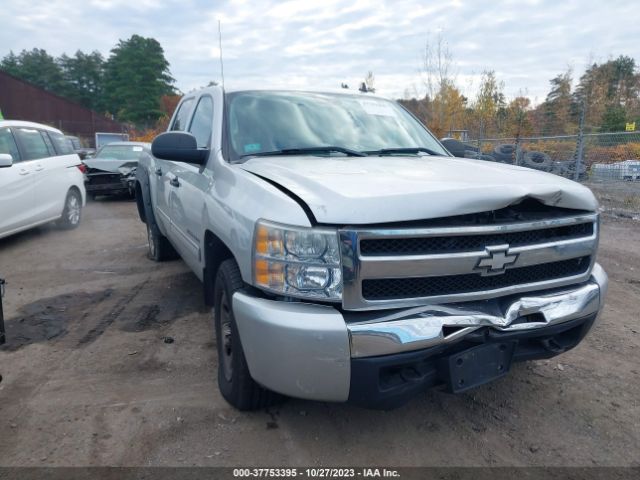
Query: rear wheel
[234,380]
[72,212]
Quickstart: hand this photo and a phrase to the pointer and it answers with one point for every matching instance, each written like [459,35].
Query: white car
[40,178]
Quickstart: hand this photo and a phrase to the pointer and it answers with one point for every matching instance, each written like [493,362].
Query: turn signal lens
[269,274]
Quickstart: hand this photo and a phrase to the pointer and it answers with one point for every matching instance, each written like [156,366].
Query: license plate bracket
[478,365]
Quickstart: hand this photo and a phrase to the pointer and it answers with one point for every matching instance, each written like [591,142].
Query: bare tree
[446,102]
[437,66]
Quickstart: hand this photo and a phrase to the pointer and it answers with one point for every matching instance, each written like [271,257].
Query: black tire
[506,149]
[505,153]
[538,160]
[159,248]
[72,211]
[488,158]
[457,148]
[234,380]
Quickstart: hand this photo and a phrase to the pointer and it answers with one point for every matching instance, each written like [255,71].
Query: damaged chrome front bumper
[424,327]
[306,350]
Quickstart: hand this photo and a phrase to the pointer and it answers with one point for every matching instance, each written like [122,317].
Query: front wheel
[72,212]
[234,380]
[159,248]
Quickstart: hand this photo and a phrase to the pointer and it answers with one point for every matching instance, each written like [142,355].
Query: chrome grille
[399,267]
[395,288]
[467,243]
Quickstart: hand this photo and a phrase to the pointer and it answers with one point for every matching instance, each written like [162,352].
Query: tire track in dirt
[112,315]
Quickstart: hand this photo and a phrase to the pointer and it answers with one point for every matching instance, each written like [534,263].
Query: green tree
[37,67]
[11,64]
[614,119]
[136,77]
[83,74]
[560,111]
[607,88]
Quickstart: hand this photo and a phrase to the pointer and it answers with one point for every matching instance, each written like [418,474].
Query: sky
[321,44]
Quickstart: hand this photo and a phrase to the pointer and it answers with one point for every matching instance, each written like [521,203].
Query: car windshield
[119,152]
[266,121]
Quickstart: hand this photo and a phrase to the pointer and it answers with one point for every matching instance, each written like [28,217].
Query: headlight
[299,262]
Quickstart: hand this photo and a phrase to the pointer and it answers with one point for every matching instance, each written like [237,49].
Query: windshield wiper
[302,151]
[391,151]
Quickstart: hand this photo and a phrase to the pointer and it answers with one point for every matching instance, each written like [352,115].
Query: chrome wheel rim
[225,338]
[152,243]
[73,210]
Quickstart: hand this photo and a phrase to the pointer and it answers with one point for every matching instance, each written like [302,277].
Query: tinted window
[75,142]
[33,145]
[47,141]
[202,122]
[180,122]
[62,143]
[8,144]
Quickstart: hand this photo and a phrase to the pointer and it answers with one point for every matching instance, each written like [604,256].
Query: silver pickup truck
[349,257]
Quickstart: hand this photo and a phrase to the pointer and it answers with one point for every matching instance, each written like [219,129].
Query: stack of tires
[505,153]
[464,150]
[537,160]
[568,169]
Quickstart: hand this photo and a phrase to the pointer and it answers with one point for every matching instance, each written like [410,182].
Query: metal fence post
[579,146]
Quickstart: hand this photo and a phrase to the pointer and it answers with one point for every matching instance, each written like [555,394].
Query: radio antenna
[220,47]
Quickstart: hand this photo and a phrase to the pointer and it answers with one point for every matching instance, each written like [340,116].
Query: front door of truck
[190,184]
[164,174]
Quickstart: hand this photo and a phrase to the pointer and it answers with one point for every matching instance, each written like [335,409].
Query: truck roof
[339,91]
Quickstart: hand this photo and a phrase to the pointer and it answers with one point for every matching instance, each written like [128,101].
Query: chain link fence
[600,157]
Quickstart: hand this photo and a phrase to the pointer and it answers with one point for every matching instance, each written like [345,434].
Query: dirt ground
[111,361]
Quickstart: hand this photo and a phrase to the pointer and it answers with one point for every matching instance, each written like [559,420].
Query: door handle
[23,171]
[174,182]
[39,168]
[159,172]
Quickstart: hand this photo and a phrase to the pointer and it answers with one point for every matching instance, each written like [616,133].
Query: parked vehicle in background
[349,257]
[40,178]
[83,152]
[112,171]
[104,138]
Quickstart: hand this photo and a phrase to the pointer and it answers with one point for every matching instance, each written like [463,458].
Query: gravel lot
[88,378]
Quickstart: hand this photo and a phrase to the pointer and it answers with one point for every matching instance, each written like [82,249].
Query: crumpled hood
[124,167]
[366,190]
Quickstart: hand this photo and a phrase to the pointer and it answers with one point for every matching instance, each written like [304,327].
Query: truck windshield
[269,121]
[119,152]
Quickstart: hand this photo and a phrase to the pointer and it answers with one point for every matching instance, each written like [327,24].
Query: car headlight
[297,261]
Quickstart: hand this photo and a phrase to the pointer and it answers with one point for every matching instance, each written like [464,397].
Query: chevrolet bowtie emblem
[496,260]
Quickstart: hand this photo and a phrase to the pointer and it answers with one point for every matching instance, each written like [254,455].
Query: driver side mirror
[179,147]
[6,160]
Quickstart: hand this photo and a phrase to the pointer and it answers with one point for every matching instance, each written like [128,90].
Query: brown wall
[20,100]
